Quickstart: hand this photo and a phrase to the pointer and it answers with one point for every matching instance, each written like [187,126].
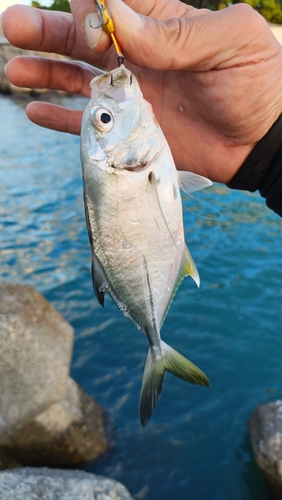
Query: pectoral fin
[189,182]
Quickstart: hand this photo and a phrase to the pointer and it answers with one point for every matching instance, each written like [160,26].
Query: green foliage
[62,5]
[271,10]
[36,4]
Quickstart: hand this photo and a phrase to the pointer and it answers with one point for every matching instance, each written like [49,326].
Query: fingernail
[92,34]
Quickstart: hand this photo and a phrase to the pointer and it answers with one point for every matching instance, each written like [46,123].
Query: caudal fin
[153,377]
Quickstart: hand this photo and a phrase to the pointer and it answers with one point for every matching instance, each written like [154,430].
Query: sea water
[196,445]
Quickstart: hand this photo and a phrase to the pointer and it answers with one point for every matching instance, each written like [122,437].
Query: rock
[69,432]
[45,417]
[36,349]
[265,428]
[52,484]
[7,462]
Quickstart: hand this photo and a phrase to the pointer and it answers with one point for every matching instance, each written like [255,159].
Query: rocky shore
[46,418]
[55,484]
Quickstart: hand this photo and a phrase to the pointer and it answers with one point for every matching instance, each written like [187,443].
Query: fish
[134,218]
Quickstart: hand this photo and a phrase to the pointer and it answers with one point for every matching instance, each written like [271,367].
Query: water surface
[196,445]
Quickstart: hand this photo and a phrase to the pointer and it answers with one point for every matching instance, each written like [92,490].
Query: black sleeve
[262,169]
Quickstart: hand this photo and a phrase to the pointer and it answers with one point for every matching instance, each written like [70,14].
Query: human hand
[213,78]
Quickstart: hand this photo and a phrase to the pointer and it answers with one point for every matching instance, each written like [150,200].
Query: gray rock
[45,417]
[265,428]
[69,432]
[7,462]
[36,349]
[52,484]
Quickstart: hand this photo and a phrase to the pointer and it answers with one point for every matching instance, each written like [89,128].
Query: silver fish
[134,218]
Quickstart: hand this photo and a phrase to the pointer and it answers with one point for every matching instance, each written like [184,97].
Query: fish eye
[103,120]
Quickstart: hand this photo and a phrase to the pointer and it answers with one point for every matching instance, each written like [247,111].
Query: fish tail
[168,361]
[152,384]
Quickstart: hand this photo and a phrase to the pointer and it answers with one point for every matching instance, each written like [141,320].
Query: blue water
[196,446]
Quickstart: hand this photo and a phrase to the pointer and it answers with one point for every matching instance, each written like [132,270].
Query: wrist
[262,170]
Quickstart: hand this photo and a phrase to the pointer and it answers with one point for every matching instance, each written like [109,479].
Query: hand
[214,79]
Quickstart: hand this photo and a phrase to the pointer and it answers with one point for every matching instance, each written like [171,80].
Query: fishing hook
[106,21]
[100,18]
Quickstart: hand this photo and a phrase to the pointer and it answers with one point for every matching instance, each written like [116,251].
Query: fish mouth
[118,77]
[121,76]
[131,168]
[136,168]
[140,166]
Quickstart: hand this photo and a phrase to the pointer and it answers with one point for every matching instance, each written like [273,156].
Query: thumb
[145,41]
[192,41]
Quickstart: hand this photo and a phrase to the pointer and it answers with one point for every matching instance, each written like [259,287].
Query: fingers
[31,28]
[72,77]
[85,14]
[49,31]
[38,72]
[200,41]
[186,38]
[55,117]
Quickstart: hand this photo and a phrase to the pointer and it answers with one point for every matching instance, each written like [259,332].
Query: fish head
[119,130]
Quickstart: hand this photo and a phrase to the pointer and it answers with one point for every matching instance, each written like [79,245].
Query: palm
[204,137]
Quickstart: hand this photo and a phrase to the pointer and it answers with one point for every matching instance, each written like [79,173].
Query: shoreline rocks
[35,355]
[45,417]
[265,429]
[54,484]
[67,433]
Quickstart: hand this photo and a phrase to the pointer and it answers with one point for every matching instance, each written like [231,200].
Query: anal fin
[188,267]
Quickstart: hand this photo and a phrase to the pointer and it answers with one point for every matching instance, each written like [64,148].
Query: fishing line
[217,215]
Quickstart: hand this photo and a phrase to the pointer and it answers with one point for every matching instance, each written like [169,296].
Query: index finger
[47,31]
